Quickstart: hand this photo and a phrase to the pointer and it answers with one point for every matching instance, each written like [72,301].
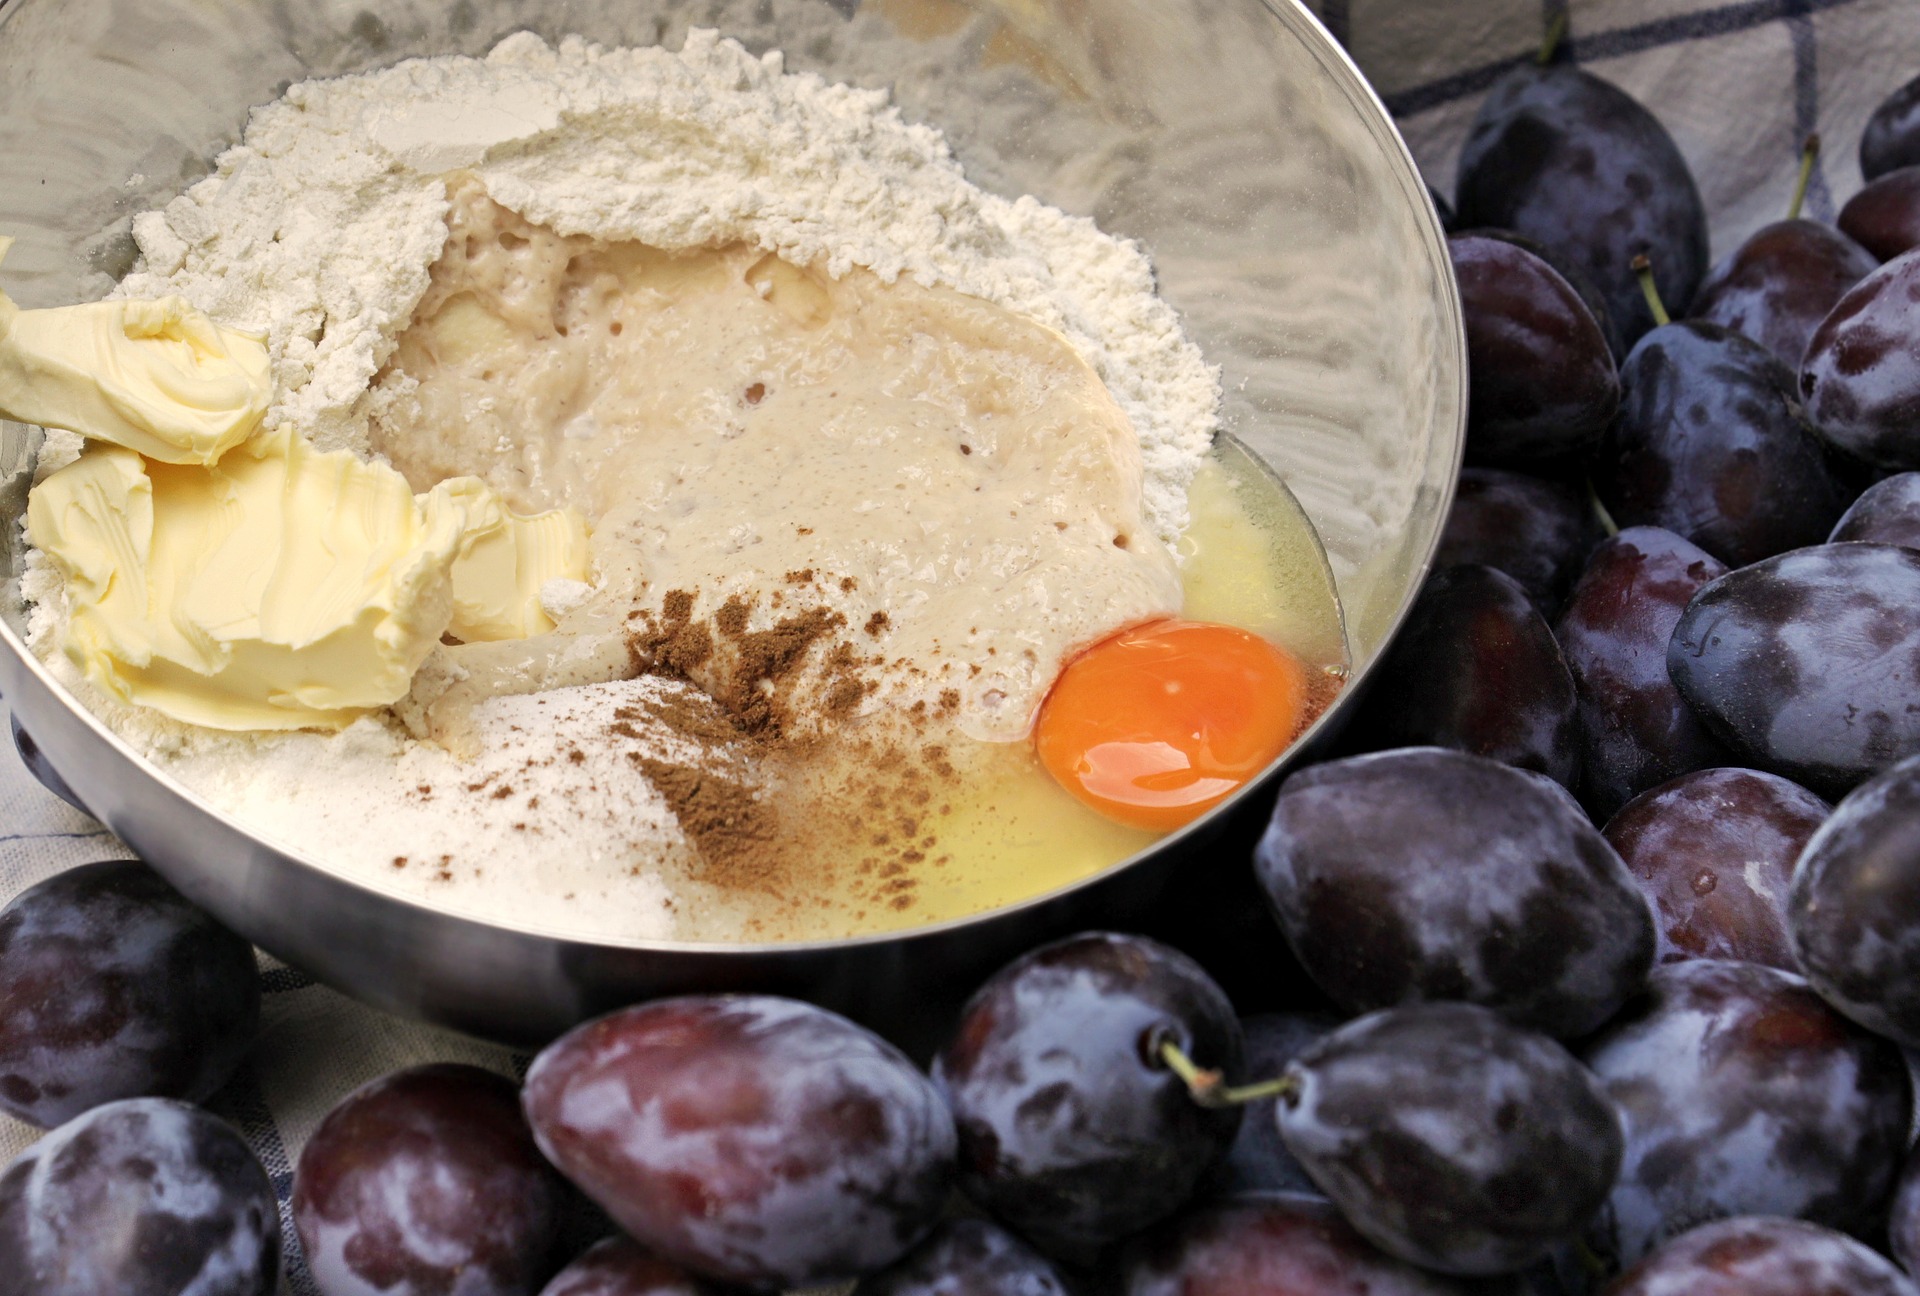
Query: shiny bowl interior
[1231,137]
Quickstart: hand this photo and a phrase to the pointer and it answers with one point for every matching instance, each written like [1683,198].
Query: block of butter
[158,376]
[504,559]
[281,588]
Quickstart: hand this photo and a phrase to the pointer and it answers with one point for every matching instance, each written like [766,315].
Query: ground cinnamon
[772,808]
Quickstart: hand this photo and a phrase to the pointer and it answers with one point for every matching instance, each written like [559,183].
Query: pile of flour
[319,229]
[320,226]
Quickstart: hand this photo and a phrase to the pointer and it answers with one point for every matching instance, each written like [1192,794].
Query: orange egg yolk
[1159,723]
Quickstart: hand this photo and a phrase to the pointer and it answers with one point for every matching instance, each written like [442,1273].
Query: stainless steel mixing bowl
[1233,138]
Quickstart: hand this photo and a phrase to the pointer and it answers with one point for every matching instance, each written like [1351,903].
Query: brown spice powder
[673,643]
[757,676]
[734,831]
[770,808]
[733,827]
[1323,686]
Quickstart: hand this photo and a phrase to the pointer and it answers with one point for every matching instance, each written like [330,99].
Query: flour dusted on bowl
[619,281]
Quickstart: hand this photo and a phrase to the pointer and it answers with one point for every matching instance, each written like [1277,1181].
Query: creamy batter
[950,482]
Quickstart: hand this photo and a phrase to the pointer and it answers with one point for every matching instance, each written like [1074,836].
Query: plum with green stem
[1072,1130]
[1778,285]
[1713,445]
[1566,158]
[1450,1138]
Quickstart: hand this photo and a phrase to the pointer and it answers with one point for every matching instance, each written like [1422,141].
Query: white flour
[319,229]
[321,225]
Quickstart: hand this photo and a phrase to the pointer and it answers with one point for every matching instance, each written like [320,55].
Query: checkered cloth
[1740,85]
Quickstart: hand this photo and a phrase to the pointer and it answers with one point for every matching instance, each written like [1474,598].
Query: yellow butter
[504,560]
[158,377]
[282,588]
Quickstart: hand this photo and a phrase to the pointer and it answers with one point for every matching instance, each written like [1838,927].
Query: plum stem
[1607,523]
[1210,1089]
[1588,1259]
[1643,270]
[1809,154]
[1556,32]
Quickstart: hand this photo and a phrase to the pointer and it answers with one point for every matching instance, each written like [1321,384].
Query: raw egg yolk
[1159,723]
